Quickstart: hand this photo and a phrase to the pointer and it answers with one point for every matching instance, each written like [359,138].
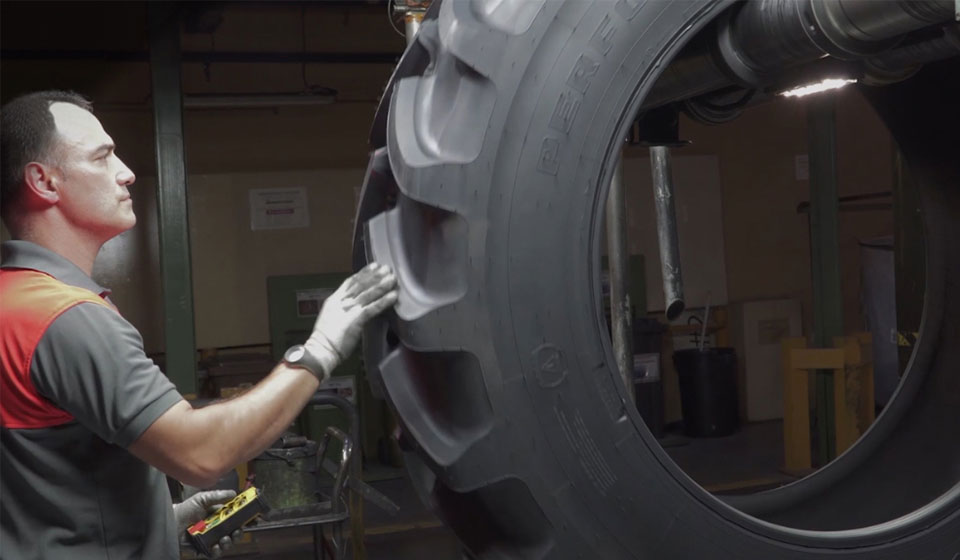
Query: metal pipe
[759,39]
[348,410]
[238,57]
[872,21]
[946,45]
[411,24]
[618,269]
[667,231]
[356,501]
[766,36]
[255,101]
[756,41]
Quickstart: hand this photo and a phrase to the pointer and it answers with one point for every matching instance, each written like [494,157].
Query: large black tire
[495,146]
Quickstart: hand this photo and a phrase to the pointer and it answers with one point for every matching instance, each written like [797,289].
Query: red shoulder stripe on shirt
[30,301]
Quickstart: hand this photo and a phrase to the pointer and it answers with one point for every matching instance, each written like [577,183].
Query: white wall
[231,262]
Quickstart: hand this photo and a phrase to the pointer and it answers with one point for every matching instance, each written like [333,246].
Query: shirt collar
[24,254]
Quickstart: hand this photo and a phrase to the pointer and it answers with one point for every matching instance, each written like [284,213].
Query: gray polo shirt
[73,491]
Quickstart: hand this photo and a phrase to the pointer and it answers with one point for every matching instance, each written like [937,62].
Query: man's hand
[361,297]
[198,507]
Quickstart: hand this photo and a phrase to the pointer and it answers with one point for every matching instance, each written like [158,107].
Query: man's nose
[125,176]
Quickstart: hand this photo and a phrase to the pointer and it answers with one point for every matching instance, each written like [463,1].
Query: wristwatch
[299,356]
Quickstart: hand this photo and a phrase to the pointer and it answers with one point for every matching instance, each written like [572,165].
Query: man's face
[93,181]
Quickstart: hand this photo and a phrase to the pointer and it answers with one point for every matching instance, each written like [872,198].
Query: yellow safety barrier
[851,362]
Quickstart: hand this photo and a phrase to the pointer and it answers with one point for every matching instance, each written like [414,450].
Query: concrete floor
[748,460]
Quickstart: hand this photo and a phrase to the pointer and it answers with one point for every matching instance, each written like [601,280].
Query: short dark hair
[27,130]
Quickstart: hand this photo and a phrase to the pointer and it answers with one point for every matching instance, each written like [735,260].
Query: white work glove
[198,507]
[361,297]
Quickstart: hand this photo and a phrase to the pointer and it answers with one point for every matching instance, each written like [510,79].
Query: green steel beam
[909,257]
[164,34]
[824,256]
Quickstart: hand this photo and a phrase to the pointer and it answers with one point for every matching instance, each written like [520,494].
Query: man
[87,418]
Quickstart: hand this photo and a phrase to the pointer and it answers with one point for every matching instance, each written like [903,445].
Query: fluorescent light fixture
[827,84]
[247,101]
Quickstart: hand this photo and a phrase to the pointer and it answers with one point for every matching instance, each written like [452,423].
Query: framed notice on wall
[282,208]
[309,302]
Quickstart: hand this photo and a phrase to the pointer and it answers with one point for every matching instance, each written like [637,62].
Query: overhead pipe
[674,303]
[753,43]
[413,12]
[904,60]
[756,41]
[766,36]
[211,57]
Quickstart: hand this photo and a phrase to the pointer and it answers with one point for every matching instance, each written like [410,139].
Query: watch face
[295,353]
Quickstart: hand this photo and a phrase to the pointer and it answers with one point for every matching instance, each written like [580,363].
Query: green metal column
[909,258]
[824,256]
[164,31]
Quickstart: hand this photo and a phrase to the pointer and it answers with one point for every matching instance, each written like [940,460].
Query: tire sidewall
[540,248]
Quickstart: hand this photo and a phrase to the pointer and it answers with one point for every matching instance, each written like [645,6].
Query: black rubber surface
[487,199]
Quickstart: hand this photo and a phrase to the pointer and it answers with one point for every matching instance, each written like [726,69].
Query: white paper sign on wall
[282,208]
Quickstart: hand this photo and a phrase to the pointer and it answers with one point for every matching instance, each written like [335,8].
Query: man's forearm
[259,416]
[197,446]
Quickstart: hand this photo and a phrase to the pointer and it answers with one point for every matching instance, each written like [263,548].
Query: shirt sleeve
[91,363]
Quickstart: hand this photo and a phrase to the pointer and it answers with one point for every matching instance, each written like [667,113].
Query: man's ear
[41,182]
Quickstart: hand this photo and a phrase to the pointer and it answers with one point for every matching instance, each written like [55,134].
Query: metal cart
[346,495]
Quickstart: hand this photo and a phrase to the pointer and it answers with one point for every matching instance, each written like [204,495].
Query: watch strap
[299,356]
